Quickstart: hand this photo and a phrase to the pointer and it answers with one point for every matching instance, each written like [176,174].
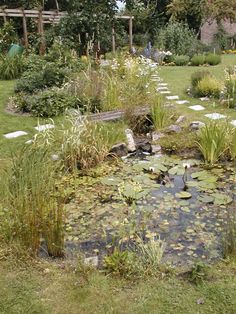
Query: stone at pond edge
[143,145]
[156,148]
[180,119]
[91,261]
[130,140]
[157,135]
[174,129]
[196,125]
[119,150]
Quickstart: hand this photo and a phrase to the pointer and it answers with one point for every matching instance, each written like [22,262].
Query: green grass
[179,79]
[58,288]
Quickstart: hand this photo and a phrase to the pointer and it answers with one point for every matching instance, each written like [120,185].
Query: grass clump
[213,141]
[31,205]
[213,59]
[10,67]
[229,235]
[198,60]
[181,60]
[208,86]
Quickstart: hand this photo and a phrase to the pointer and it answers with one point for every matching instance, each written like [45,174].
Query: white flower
[186,165]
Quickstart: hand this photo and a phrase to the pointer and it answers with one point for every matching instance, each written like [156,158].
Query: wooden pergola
[53,17]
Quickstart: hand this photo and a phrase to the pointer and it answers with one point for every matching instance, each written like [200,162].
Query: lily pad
[111,181]
[206,199]
[183,195]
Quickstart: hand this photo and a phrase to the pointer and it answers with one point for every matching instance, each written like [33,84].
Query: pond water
[177,200]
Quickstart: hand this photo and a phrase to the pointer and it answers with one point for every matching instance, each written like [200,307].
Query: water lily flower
[186,165]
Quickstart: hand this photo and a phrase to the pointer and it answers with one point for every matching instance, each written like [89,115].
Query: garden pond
[182,202]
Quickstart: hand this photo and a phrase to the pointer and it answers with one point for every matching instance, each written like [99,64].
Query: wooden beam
[130,33]
[113,40]
[25,31]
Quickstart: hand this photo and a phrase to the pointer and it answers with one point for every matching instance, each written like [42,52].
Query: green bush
[198,76]
[10,67]
[213,59]
[47,103]
[208,87]
[181,60]
[198,60]
[49,76]
[177,38]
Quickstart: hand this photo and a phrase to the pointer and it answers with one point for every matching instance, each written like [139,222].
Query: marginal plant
[32,205]
[111,99]
[230,87]
[229,234]
[160,115]
[10,67]
[213,141]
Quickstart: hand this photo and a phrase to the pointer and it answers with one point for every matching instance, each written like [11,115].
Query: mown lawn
[179,78]
[58,288]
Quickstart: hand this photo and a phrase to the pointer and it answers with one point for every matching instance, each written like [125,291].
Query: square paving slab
[197,108]
[15,134]
[164,92]
[233,122]
[172,97]
[182,102]
[215,116]
[44,127]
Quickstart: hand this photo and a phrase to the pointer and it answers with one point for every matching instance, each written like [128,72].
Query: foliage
[10,67]
[31,205]
[177,38]
[46,103]
[198,273]
[47,76]
[119,263]
[7,36]
[213,59]
[208,86]
[181,60]
[198,60]
[213,141]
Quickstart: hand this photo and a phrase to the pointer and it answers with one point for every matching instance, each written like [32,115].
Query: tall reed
[160,115]
[33,210]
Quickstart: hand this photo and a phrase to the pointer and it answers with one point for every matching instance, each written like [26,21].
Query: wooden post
[25,31]
[4,18]
[113,40]
[42,47]
[130,33]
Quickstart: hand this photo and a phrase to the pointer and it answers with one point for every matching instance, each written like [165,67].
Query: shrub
[49,76]
[50,103]
[10,67]
[198,60]
[32,206]
[198,76]
[213,141]
[177,38]
[230,87]
[208,87]
[213,59]
[181,60]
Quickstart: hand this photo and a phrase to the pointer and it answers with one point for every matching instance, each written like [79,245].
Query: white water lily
[186,165]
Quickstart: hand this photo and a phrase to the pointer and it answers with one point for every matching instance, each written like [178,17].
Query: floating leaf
[111,181]
[184,195]
[177,170]
[206,199]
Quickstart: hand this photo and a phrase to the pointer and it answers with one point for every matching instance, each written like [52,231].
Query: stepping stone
[164,92]
[162,85]
[197,108]
[162,88]
[15,134]
[233,123]
[204,98]
[215,116]
[44,127]
[172,97]
[182,102]
[29,142]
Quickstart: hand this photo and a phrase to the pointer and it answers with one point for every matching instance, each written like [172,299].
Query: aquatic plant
[160,115]
[229,234]
[213,141]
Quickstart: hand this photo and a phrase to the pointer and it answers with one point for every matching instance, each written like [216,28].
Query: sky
[120,5]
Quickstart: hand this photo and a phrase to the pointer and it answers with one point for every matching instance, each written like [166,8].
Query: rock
[156,149]
[144,146]
[55,157]
[157,135]
[119,150]
[180,119]
[173,128]
[15,134]
[196,125]
[130,140]
[91,261]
